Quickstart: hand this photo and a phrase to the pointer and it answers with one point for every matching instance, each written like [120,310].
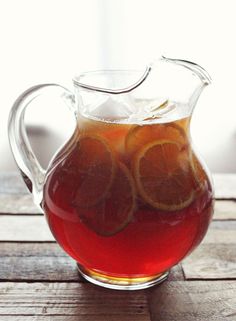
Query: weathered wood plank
[12,183]
[34,228]
[18,204]
[193,301]
[71,299]
[61,269]
[45,262]
[210,261]
[23,204]
[75,318]
[221,232]
[225,210]
[176,273]
[36,262]
[24,228]
[25,249]
[225,186]
[171,301]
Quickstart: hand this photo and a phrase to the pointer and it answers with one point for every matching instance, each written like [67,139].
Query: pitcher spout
[195,68]
[180,80]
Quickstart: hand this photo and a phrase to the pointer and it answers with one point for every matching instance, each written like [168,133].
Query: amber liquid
[110,225]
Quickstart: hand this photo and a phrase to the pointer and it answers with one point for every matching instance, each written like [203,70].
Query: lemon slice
[164,175]
[140,135]
[95,170]
[115,211]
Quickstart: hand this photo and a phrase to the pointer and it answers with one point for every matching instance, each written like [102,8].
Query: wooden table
[40,282]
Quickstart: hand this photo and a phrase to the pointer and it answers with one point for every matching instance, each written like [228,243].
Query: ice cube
[151,108]
[112,109]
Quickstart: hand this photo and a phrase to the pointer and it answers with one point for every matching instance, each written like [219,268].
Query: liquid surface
[128,200]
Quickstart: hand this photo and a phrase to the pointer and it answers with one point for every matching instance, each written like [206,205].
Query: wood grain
[206,262]
[23,204]
[61,269]
[71,299]
[221,232]
[54,291]
[12,183]
[210,261]
[45,262]
[36,262]
[25,249]
[18,204]
[24,228]
[65,317]
[34,228]
[193,301]
[225,186]
[176,273]
[225,210]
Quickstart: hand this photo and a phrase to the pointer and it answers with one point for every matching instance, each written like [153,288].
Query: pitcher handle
[31,170]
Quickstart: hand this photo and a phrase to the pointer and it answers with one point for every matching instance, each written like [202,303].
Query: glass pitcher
[126,197]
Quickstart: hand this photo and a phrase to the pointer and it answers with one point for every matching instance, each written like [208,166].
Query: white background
[50,41]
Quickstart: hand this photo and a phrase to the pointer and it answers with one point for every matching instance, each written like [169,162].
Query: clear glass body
[127,197]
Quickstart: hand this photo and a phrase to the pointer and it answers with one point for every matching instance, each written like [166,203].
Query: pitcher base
[121,283]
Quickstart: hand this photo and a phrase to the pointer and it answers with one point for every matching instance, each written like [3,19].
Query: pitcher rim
[127,89]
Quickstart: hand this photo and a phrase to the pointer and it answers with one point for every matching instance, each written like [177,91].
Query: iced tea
[128,200]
